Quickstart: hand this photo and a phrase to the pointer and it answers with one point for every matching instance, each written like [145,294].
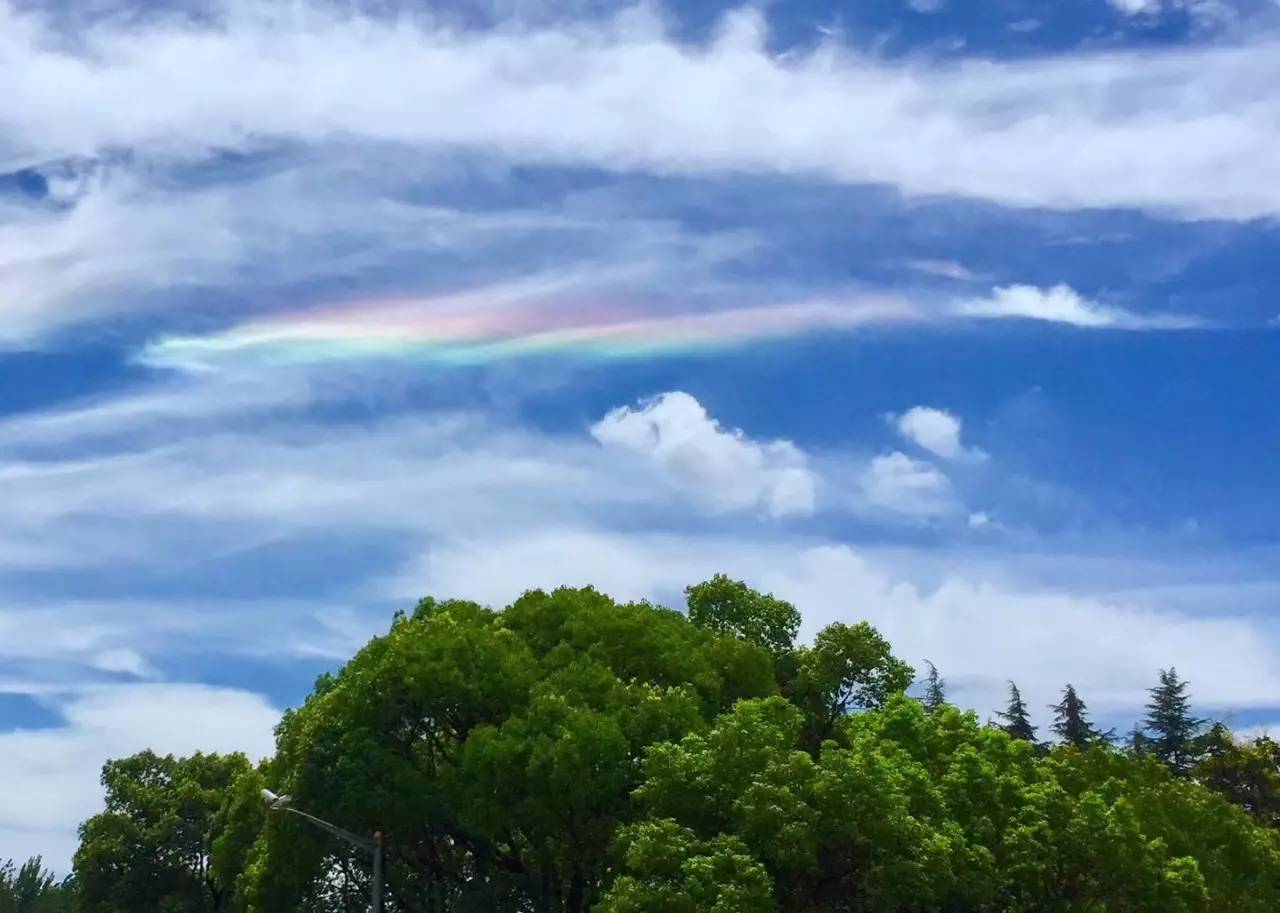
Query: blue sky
[958,317]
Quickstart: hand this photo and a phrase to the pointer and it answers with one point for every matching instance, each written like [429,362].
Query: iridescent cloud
[461,331]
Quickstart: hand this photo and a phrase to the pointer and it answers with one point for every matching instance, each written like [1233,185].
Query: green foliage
[731,607]
[30,888]
[1172,729]
[1246,773]
[671,871]
[151,849]
[848,668]
[910,811]
[572,754]
[497,750]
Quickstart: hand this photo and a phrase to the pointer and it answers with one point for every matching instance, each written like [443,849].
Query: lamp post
[374,846]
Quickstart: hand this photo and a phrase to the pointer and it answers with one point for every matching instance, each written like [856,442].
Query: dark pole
[377,872]
[282,804]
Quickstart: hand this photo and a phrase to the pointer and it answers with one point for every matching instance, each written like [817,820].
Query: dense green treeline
[30,888]
[570,753]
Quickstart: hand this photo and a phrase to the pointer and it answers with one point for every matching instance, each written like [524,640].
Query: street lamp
[374,846]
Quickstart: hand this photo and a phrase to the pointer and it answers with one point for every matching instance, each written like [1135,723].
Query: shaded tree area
[570,753]
[152,847]
[30,888]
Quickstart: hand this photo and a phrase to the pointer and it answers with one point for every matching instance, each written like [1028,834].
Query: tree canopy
[570,753]
[31,888]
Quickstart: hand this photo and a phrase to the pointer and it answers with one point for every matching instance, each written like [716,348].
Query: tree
[1246,772]
[498,751]
[1172,728]
[30,888]
[150,850]
[917,811]
[848,668]
[935,693]
[1138,743]
[1017,722]
[731,607]
[571,754]
[1071,722]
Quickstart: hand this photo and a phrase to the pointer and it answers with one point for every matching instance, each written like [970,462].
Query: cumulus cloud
[1061,132]
[901,484]
[936,430]
[720,465]
[1062,304]
[981,627]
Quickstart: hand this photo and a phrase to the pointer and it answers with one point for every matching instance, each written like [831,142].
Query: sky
[960,318]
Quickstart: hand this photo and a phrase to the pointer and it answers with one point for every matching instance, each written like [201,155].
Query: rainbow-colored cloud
[460,331]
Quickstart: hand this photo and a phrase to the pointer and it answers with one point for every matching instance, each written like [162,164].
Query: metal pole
[374,846]
[377,873]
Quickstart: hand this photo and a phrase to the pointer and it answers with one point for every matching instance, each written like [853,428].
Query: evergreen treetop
[935,692]
[1017,722]
[1174,732]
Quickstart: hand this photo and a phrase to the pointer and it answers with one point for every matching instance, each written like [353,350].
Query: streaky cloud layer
[457,332]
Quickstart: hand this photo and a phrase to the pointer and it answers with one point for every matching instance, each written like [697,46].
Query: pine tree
[1174,732]
[1016,721]
[935,691]
[1138,743]
[1071,722]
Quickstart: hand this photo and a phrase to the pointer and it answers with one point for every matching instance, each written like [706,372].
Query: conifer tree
[1174,733]
[1016,720]
[1138,743]
[1071,722]
[935,692]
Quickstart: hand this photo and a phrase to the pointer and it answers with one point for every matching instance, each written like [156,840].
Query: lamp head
[275,801]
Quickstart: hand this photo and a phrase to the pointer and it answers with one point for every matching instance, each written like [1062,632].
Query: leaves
[151,849]
[572,754]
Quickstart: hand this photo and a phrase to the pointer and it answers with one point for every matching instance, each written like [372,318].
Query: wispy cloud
[1061,132]
[1062,304]
[488,325]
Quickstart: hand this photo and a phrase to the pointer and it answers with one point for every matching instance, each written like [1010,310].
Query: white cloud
[51,775]
[926,6]
[900,484]
[937,431]
[122,244]
[1110,650]
[980,630]
[722,466]
[1070,131]
[1202,12]
[1138,7]
[483,510]
[947,269]
[1270,730]
[1062,304]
